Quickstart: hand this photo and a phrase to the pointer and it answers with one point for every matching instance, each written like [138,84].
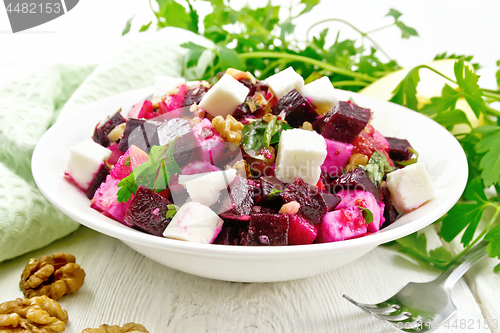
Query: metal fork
[423,307]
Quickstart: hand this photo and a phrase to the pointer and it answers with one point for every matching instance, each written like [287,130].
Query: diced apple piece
[338,154]
[358,198]
[321,94]
[205,188]
[105,200]
[132,158]
[301,231]
[84,161]
[343,122]
[410,187]
[341,224]
[300,154]
[194,222]
[224,97]
[284,81]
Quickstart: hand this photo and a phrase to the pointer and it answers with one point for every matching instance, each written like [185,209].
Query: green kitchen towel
[29,105]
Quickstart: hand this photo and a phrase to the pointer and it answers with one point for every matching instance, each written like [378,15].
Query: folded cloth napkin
[30,105]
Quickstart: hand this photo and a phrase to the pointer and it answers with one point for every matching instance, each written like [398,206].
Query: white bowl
[439,151]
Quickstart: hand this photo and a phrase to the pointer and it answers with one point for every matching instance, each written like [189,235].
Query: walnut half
[127,328]
[52,276]
[37,314]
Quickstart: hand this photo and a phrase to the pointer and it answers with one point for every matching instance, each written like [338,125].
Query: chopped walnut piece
[37,314]
[53,276]
[127,328]
[230,129]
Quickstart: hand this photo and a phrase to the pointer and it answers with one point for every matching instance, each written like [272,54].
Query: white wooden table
[123,286]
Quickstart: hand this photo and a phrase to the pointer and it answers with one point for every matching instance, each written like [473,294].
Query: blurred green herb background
[263,41]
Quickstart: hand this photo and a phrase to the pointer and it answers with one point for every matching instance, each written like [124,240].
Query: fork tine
[375,308]
[399,317]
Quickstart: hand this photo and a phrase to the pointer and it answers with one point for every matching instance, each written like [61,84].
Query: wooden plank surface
[122,286]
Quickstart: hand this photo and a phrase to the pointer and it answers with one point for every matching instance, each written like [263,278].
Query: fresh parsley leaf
[406,91]
[128,24]
[450,118]
[310,4]
[462,215]
[498,74]
[446,101]
[193,55]
[415,245]
[173,14]
[367,214]
[377,167]
[145,26]
[229,58]
[493,248]
[272,128]
[490,162]
[406,31]
[445,55]
[172,210]
[259,135]
[467,81]
[154,174]
[394,13]
[273,194]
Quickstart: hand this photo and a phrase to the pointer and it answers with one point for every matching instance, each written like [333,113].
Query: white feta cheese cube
[410,187]
[205,188]
[84,161]
[321,94]
[166,85]
[300,154]
[194,222]
[284,81]
[224,97]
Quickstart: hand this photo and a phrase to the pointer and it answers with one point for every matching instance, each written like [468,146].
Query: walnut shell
[53,276]
[38,314]
[127,328]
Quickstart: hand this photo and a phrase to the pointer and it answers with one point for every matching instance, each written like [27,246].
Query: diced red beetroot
[132,158]
[229,235]
[148,211]
[338,154]
[140,133]
[296,107]
[241,194]
[312,204]
[194,95]
[343,122]
[301,231]
[353,198]
[103,129]
[399,149]
[106,201]
[265,185]
[356,179]
[268,229]
[115,154]
[341,224]
[390,212]
[99,178]
[187,150]
[331,200]
[147,111]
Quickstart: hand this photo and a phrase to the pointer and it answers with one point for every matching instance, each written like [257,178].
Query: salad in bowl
[238,161]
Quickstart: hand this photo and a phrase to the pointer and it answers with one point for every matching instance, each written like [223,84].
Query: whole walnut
[37,314]
[53,276]
[127,328]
